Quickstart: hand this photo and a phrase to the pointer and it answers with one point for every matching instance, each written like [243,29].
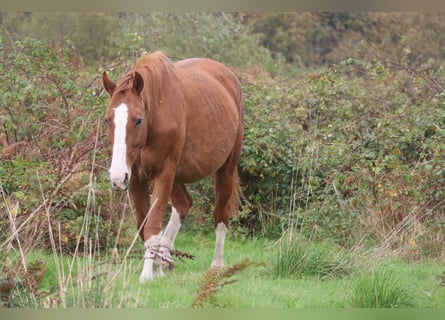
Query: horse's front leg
[152,230]
[181,202]
[140,197]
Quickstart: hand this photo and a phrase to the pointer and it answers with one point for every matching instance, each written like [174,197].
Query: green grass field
[87,280]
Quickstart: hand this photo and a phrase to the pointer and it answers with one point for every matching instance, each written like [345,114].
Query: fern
[213,279]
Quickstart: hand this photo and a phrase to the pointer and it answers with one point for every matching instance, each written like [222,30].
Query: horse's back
[212,87]
[202,70]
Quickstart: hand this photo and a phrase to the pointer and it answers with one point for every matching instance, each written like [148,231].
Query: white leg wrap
[148,270]
[152,262]
[218,258]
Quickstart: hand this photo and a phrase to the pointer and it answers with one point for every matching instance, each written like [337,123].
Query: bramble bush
[49,136]
[377,130]
[354,153]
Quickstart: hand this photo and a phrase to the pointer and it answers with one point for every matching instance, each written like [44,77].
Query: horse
[171,124]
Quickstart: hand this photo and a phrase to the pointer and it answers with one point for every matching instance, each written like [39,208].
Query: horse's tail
[235,201]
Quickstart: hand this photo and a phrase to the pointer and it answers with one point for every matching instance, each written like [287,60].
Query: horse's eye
[106,121]
[138,121]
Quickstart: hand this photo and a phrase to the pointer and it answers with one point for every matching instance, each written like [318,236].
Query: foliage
[358,155]
[216,36]
[374,144]
[306,39]
[100,37]
[93,35]
[268,161]
[49,141]
[322,38]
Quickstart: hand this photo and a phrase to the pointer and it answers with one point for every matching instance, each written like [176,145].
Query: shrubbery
[321,38]
[378,126]
[359,155]
[50,133]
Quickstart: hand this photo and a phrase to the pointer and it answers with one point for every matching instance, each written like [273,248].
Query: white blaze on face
[119,171]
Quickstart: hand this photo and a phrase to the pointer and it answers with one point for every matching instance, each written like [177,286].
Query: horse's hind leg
[225,189]
[181,203]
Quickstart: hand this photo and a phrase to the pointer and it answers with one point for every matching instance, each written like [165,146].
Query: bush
[101,38]
[373,128]
[49,141]
[343,159]
[215,36]
[268,160]
[95,36]
[313,39]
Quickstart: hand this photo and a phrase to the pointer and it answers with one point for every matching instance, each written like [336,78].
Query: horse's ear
[138,82]
[108,84]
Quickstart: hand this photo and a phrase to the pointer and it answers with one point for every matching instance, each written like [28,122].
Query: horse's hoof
[217,266]
[146,278]
[168,266]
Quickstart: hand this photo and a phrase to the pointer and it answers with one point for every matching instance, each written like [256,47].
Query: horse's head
[127,125]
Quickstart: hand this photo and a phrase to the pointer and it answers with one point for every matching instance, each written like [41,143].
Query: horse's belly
[211,125]
[203,156]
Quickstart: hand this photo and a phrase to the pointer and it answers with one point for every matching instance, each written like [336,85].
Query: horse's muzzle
[120,184]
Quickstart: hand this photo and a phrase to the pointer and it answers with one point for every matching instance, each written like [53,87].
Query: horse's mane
[155,68]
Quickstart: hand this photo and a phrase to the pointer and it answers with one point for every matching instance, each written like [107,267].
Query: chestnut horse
[172,124]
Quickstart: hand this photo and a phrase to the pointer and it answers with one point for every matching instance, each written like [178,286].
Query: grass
[298,257]
[104,281]
[292,272]
[382,288]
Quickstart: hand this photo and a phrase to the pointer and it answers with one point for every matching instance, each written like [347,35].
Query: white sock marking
[147,271]
[172,229]
[218,258]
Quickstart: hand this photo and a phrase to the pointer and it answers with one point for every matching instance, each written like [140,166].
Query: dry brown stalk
[213,279]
